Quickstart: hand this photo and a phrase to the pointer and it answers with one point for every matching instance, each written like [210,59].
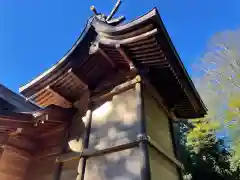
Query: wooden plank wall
[158,130]
[43,170]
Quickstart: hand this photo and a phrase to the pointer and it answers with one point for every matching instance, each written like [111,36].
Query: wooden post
[143,145]
[86,140]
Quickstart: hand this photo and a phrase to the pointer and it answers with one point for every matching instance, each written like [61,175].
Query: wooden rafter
[140,37]
[101,51]
[124,55]
[76,78]
[59,97]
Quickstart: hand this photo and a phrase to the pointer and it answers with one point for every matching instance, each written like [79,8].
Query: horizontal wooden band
[164,153]
[92,152]
[114,92]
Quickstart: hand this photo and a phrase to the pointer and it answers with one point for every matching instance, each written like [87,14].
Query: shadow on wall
[114,123]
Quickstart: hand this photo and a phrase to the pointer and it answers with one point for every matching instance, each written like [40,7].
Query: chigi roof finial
[109,19]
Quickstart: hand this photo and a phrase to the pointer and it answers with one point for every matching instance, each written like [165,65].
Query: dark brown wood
[52,131]
[75,77]
[124,55]
[86,137]
[56,114]
[143,145]
[13,122]
[158,53]
[109,95]
[106,57]
[64,147]
[59,97]
[140,37]
[143,46]
[92,152]
[47,153]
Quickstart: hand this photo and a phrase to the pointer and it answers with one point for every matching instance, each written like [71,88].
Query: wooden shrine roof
[102,58]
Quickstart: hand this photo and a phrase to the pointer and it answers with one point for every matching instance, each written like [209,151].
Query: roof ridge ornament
[109,19]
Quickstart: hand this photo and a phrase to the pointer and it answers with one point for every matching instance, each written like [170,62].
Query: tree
[219,86]
[202,154]
[212,148]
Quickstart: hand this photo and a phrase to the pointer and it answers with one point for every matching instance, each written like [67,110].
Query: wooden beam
[143,145]
[57,114]
[13,122]
[101,51]
[137,38]
[124,55]
[76,78]
[32,97]
[52,131]
[114,92]
[93,152]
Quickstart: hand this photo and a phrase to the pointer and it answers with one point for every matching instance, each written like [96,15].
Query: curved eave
[117,47]
[63,65]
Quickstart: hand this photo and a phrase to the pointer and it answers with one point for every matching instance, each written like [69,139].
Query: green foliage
[203,153]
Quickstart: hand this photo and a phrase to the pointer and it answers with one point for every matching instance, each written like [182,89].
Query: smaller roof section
[15,101]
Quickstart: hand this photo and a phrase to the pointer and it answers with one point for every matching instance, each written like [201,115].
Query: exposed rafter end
[125,56]
[107,41]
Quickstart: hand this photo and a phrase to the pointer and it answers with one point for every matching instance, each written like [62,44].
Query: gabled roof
[102,58]
[16,100]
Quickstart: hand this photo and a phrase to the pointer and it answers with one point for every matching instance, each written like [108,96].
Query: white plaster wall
[122,165]
[115,122]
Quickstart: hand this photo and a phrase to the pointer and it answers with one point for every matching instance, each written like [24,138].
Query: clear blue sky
[36,34]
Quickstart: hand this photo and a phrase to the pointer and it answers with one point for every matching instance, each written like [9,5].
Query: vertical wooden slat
[143,145]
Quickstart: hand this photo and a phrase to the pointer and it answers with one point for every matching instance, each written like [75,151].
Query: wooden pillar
[83,160]
[14,161]
[143,144]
